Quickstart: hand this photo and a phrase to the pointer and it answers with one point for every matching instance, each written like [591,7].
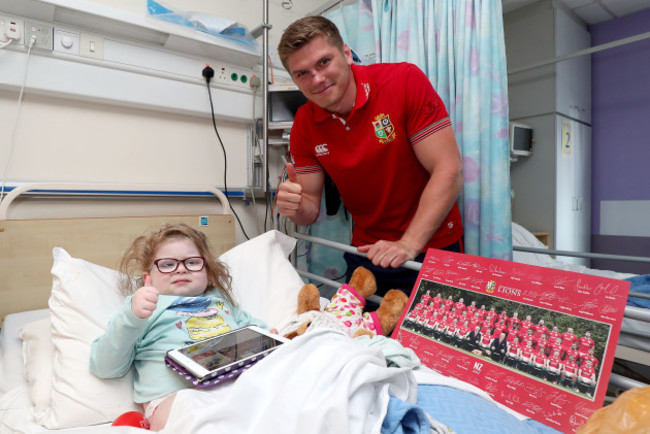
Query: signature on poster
[469,265]
[514,382]
[557,399]
[491,388]
[495,268]
[583,287]
[451,275]
[550,296]
[589,305]
[477,283]
[606,289]
[555,414]
[607,309]
[532,407]
[580,415]
[447,358]
[437,273]
[511,398]
[563,282]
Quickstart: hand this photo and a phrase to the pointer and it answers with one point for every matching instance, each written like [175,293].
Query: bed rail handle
[412,265]
[624,382]
[576,254]
[63,188]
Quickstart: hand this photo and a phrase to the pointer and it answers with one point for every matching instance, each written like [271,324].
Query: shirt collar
[361,78]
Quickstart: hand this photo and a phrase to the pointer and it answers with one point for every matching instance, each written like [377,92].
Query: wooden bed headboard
[26,249]
[26,245]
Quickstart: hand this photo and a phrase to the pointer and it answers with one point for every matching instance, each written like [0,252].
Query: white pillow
[263,280]
[85,295]
[38,353]
[11,347]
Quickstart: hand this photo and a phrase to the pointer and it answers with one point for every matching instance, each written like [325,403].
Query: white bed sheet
[325,370]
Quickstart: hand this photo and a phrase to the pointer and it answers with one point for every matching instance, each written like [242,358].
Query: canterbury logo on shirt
[321,150]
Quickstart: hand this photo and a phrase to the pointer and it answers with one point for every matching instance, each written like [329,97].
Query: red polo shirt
[369,155]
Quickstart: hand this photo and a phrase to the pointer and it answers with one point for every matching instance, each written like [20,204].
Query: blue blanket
[640,283]
[404,417]
[462,411]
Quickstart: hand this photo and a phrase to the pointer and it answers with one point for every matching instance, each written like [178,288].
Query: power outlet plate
[232,76]
[221,74]
[44,34]
[12,28]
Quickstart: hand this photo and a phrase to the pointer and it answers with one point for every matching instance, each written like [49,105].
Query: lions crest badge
[384,129]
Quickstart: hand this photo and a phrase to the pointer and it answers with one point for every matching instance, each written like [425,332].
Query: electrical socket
[44,34]
[3,33]
[220,74]
[12,28]
[232,76]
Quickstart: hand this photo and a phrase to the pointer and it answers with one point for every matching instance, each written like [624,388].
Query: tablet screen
[215,353]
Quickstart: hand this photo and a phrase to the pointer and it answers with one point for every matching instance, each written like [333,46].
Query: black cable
[208,73]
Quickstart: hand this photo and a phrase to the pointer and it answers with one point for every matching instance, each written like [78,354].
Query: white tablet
[224,353]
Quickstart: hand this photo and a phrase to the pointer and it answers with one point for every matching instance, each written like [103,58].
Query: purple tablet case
[218,376]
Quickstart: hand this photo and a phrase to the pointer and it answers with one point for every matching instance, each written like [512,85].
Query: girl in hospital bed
[184,297]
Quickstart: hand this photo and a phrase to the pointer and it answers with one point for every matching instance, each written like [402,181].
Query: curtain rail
[592,50]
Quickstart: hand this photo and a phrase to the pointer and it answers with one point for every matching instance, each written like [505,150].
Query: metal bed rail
[587,255]
[635,313]
[623,382]
[345,248]
[120,190]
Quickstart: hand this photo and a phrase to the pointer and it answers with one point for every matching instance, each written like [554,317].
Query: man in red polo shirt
[384,137]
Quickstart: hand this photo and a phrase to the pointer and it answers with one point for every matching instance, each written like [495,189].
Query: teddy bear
[344,311]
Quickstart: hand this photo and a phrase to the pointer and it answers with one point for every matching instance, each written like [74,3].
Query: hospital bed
[58,291]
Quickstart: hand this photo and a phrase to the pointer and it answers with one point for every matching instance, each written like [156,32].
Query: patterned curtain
[460,45]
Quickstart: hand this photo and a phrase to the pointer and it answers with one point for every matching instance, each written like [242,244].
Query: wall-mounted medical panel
[109,56]
[92,16]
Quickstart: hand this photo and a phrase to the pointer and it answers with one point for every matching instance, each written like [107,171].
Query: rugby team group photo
[550,346]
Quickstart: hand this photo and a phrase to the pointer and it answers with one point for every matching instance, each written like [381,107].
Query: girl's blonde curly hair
[139,258]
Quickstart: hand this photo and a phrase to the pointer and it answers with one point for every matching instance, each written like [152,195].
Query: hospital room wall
[60,139]
[621,141]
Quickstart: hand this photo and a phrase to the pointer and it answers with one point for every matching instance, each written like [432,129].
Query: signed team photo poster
[538,340]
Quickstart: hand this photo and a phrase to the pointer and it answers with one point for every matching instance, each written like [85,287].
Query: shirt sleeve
[427,113]
[300,147]
[112,354]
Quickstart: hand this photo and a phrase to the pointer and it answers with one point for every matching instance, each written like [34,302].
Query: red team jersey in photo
[586,374]
[554,364]
[584,343]
[568,339]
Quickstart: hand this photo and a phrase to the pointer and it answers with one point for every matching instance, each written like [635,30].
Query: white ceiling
[590,11]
